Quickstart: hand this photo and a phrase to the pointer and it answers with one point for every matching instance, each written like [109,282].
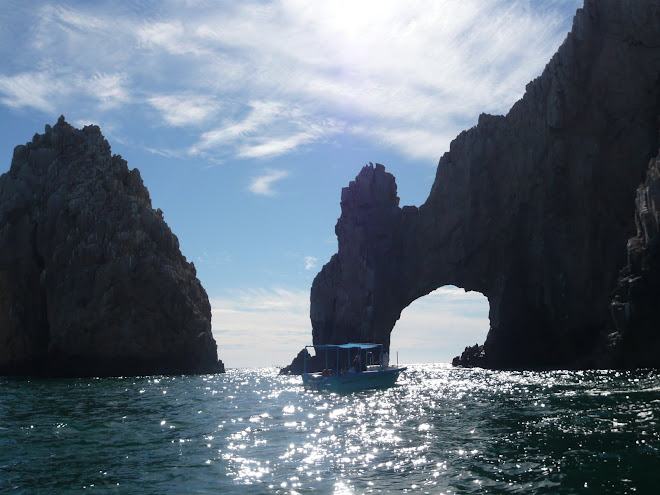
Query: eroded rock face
[532,209]
[92,281]
[635,341]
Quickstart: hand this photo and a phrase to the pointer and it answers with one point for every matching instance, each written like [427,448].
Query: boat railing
[338,363]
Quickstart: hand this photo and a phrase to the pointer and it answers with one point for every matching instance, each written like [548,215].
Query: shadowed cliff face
[92,281]
[636,300]
[532,209]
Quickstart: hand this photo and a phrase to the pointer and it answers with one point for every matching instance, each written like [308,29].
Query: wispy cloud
[169,36]
[182,109]
[408,76]
[262,299]
[43,90]
[310,262]
[262,113]
[110,89]
[414,142]
[71,19]
[167,153]
[263,185]
[30,89]
[275,146]
[269,129]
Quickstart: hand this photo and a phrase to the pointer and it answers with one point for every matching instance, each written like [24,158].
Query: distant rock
[92,281]
[531,209]
[472,356]
[297,366]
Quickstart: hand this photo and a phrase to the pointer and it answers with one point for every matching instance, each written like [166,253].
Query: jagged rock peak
[372,186]
[92,280]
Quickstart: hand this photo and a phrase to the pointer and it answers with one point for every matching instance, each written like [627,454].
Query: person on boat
[385,360]
[356,363]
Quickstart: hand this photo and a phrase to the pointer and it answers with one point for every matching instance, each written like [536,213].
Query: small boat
[364,371]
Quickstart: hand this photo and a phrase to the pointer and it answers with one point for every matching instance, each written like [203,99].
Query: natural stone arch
[434,327]
[532,209]
[388,257]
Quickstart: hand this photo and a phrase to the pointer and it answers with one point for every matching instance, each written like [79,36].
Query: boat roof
[346,346]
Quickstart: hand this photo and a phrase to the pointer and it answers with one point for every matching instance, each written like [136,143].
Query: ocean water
[440,430]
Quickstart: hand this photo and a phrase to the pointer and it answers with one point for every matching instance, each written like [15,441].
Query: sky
[247,118]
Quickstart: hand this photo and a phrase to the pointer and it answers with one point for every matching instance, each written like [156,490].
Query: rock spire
[92,281]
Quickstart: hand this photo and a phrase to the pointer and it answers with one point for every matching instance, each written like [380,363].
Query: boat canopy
[346,346]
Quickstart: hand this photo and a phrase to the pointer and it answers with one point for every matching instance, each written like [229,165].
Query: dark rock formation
[635,341]
[531,209]
[472,356]
[297,366]
[92,281]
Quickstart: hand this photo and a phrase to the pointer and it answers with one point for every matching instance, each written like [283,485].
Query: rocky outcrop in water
[472,356]
[298,366]
[92,281]
[531,209]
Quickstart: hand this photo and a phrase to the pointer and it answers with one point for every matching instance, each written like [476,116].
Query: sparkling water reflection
[440,430]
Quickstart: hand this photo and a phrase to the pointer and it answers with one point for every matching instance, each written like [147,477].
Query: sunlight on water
[440,430]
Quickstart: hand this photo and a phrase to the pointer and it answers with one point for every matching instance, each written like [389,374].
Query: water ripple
[440,430]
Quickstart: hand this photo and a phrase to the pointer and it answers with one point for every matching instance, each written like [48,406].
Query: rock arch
[532,209]
[433,327]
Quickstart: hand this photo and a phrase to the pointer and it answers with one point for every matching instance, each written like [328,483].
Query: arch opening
[438,326]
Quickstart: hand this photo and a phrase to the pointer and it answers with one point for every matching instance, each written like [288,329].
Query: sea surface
[440,430]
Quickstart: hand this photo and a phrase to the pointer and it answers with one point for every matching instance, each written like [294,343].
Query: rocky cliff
[635,339]
[92,281]
[532,209]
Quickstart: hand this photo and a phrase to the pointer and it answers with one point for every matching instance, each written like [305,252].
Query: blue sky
[247,118]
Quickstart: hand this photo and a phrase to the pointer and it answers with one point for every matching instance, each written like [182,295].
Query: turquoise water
[441,430]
